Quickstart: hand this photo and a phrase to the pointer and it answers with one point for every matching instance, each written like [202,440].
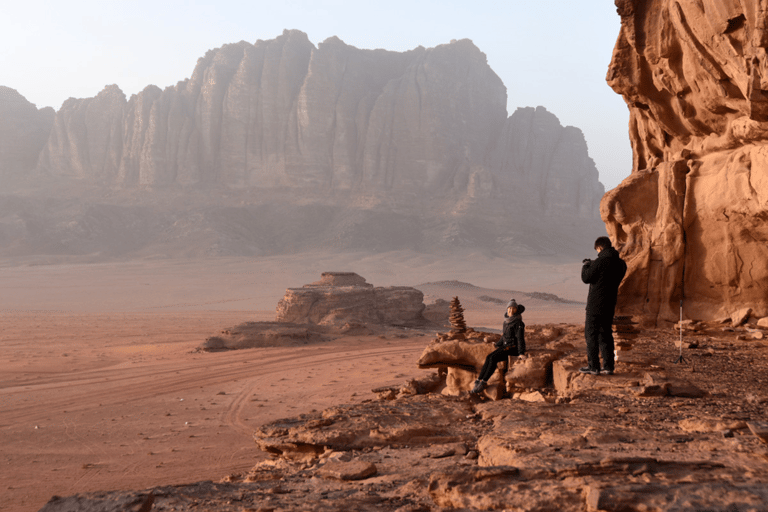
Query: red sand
[125,403]
[101,389]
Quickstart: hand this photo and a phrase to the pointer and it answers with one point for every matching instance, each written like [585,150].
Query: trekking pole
[681,359]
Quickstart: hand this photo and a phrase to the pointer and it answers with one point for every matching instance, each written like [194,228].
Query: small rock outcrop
[262,334]
[341,298]
[690,219]
[339,303]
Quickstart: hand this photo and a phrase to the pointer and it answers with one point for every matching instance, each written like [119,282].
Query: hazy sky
[553,53]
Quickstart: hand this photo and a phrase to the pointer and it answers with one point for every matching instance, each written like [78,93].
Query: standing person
[512,343]
[603,275]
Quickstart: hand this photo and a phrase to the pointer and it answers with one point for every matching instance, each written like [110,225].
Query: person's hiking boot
[606,371]
[589,371]
[479,386]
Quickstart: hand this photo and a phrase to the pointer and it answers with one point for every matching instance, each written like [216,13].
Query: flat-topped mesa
[690,219]
[341,298]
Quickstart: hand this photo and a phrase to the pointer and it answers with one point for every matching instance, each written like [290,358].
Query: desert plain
[102,387]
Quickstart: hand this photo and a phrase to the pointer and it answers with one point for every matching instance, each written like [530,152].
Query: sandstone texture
[283,146]
[345,298]
[690,219]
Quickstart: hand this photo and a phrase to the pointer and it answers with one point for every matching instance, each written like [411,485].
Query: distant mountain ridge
[418,139]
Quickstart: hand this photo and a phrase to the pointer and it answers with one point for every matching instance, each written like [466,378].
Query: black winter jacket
[513,337]
[603,275]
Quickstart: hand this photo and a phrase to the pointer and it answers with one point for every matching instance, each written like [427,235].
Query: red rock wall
[694,74]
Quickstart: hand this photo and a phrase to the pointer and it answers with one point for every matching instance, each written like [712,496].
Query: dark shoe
[479,386]
[589,371]
[606,371]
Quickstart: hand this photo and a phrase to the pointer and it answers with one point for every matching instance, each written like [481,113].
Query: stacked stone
[458,325]
[624,334]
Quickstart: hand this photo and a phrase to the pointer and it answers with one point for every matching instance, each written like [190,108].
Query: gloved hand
[498,344]
[586,261]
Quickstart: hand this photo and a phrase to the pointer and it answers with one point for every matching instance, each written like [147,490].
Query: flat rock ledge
[436,452]
[548,372]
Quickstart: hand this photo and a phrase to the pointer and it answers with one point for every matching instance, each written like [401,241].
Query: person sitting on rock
[512,343]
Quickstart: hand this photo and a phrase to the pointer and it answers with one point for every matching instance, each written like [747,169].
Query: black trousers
[491,360]
[599,335]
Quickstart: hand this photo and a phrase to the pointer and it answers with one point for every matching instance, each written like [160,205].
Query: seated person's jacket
[513,337]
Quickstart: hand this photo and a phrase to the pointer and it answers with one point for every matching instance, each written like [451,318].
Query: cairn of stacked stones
[458,325]
[624,333]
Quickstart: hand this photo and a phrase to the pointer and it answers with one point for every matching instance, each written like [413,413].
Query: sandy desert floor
[101,388]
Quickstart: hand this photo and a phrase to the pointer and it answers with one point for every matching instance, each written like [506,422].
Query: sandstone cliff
[690,219]
[364,149]
[23,132]
[284,113]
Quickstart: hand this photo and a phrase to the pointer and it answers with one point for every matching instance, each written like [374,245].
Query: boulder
[455,354]
[532,372]
[352,470]
[530,396]
[463,361]
[759,429]
[458,381]
[740,316]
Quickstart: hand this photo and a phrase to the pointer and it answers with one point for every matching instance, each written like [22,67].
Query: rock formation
[341,303]
[345,298]
[23,132]
[438,312]
[458,325]
[331,118]
[690,219]
[366,150]
[86,141]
